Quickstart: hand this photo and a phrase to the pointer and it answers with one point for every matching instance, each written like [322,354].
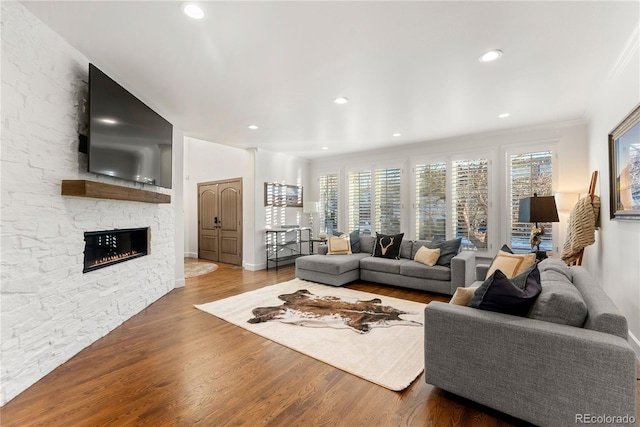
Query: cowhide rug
[392,357]
[306,309]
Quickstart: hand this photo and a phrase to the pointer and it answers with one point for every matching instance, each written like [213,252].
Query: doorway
[220,221]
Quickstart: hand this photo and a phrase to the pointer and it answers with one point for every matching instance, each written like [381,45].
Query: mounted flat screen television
[127,139]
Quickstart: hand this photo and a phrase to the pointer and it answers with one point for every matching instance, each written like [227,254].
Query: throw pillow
[387,245]
[427,256]
[499,294]
[462,296]
[339,245]
[354,238]
[448,249]
[511,264]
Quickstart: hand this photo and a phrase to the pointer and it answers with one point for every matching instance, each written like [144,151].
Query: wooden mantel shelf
[100,190]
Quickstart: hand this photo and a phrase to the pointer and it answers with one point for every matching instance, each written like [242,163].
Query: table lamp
[537,209]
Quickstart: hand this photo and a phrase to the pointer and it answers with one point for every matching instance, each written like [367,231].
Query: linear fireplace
[105,248]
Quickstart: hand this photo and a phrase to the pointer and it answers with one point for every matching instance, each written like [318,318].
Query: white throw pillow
[427,256]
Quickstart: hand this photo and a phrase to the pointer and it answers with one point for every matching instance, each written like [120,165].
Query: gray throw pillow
[448,249]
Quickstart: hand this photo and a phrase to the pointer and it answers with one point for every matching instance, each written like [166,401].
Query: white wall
[49,309]
[615,257]
[284,169]
[207,161]
[571,165]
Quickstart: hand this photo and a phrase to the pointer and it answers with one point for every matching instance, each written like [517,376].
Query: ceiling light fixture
[504,115]
[108,121]
[253,127]
[325,148]
[397,134]
[492,55]
[341,100]
[192,10]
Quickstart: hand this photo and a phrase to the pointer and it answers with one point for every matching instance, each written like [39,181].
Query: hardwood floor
[174,365]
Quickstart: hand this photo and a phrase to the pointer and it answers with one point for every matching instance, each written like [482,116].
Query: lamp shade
[538,209]
[310,207]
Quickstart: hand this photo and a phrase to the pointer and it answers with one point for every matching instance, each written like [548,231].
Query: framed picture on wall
[624,168]
[276,194]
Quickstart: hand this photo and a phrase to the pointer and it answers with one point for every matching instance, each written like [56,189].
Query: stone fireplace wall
[49,309]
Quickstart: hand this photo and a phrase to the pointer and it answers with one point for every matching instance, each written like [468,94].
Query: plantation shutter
[431,201]
[530,173]
[359,212]
[328,202]
[388,207]
[470,202]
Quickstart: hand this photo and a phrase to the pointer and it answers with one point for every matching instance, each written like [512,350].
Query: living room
[51,310]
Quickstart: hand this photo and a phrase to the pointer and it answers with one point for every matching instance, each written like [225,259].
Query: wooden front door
[220,221]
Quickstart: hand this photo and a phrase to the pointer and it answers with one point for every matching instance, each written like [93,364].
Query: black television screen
[127,139]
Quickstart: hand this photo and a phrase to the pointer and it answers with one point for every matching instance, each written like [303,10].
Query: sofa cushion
[448,249]
[417,244]
[499,294]
[339,245]
[427,256]
[330,264]
[556,265]
[511,264]
[560,301]
[366,244]
[384,265]
[416,269]
[405,248]
[387,245]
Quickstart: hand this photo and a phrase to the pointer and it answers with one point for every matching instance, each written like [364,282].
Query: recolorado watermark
[605,419]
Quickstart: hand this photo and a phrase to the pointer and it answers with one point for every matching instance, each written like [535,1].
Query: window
[359,211]
[431,201]
[470,202]
[529,173]
[387,195]
[328,202]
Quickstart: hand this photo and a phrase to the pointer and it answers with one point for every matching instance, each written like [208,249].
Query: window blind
[431,201]
[328,202]
[529,173]
[359,197]
[470,202]
[387,196]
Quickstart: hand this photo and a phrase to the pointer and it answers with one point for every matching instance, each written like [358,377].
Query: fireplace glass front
[105,248]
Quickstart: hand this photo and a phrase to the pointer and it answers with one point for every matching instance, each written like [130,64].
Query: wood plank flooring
[174,365]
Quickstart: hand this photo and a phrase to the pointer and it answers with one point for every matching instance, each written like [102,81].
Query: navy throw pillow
[387,245]
[501,294]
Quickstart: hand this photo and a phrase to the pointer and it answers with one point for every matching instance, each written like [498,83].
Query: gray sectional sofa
[568,362]
[338,270]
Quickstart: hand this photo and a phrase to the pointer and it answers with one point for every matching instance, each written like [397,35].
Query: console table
[285,244]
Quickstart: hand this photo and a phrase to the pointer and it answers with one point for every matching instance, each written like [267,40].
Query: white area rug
[391,357]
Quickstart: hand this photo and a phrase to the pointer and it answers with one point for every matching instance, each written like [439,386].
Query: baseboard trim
[253,267]
[191,255]
[180,283]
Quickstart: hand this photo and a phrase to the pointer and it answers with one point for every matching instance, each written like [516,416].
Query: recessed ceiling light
[325,148]
[192,10]
[108,121]
[504,115]
[397,134]
[252,127]
[341,100]
[492,55]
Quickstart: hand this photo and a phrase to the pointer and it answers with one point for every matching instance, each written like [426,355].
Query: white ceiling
[408,67]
